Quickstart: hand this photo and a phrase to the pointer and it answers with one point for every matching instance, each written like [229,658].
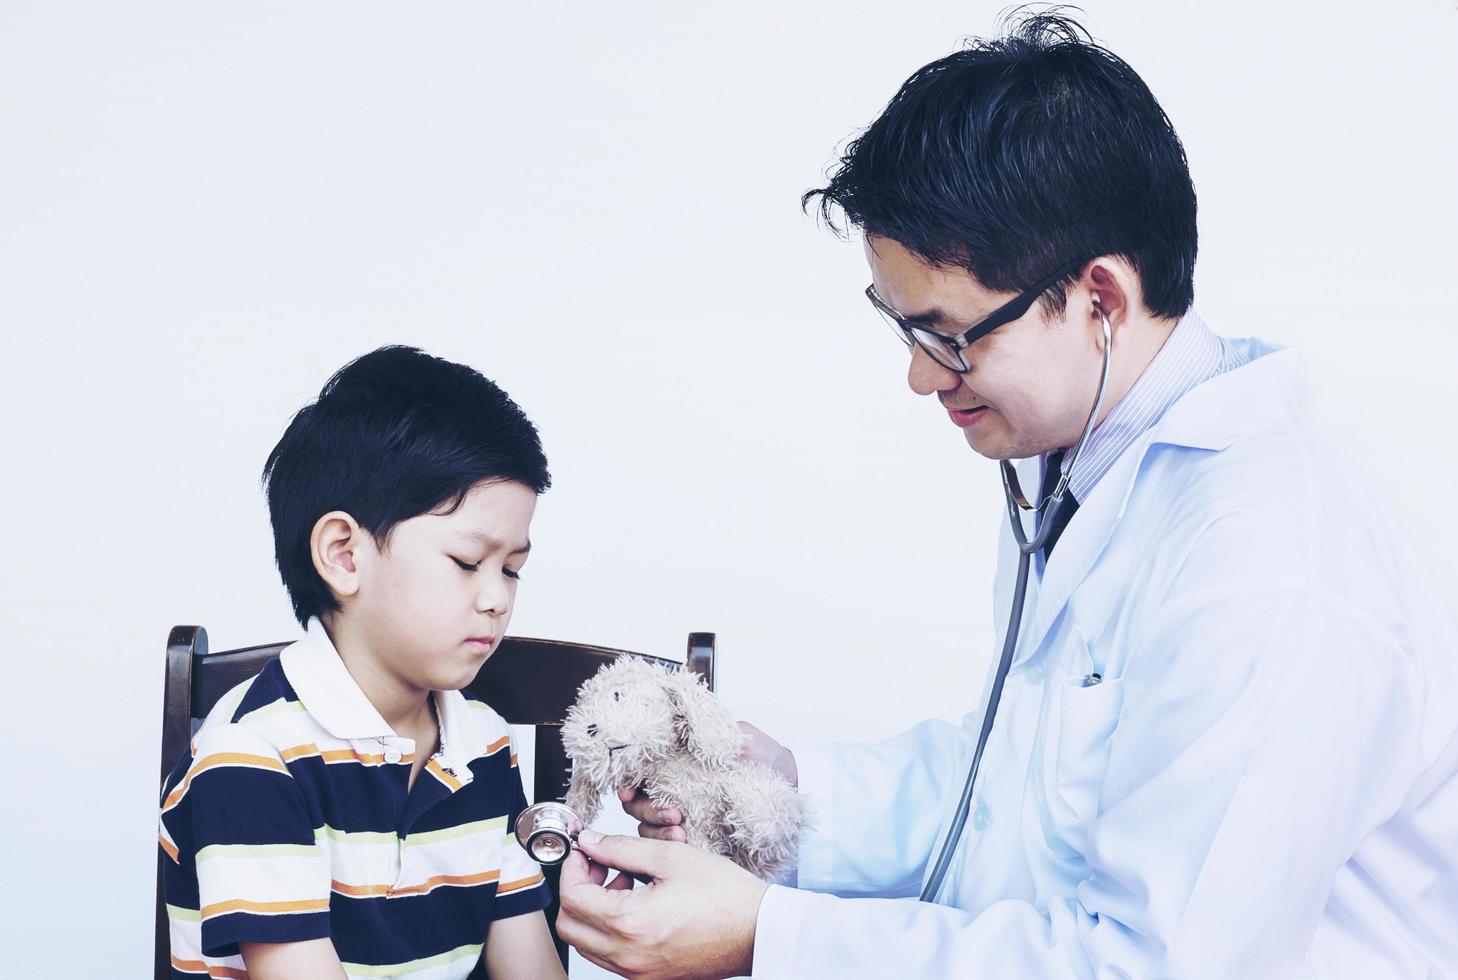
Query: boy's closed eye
[476,566]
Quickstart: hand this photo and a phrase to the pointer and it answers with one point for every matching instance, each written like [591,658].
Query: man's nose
[927,377]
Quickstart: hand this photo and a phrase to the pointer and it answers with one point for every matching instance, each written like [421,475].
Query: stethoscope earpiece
[1098,307]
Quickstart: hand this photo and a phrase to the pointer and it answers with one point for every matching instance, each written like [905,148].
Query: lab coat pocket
[1087,715]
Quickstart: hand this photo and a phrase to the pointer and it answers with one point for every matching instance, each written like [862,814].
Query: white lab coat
[1263,785]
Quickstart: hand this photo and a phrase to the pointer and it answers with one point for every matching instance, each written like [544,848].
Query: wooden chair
[527,682]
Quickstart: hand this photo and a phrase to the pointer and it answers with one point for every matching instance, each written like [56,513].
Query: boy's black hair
[395,434]
[1019,155]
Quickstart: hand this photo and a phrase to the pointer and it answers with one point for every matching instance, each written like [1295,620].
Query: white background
[207,208]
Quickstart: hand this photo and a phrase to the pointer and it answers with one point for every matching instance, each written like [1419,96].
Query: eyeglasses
[948,350]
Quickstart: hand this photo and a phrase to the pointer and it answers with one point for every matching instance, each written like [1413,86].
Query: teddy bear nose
[592,731]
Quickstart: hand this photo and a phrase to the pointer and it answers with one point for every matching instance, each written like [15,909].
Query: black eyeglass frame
[910,330]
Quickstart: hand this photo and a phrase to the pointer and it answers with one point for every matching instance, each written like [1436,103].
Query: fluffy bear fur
[637,723]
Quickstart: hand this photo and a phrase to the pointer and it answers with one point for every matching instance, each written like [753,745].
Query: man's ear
[1114,288]
[336,547]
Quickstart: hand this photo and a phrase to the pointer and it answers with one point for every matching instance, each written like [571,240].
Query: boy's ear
[335,546]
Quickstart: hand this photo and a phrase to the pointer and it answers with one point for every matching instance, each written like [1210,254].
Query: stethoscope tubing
[1026,549]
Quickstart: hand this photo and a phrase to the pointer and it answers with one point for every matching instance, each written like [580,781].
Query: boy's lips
[482,642]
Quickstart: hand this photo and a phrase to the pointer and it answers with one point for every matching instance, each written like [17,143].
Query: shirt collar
[1270,382]
[1190,356]
[1209,418]
[461,738]
[326,688]
[332,696]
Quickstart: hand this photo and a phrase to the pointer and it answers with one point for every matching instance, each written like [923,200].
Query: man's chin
[987,446]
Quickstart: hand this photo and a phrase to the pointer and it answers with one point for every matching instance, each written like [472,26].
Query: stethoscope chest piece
[547,831]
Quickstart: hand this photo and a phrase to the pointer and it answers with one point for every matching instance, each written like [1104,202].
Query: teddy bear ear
[701,724]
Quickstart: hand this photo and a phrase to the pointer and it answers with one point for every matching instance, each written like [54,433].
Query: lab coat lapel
[1085,538]
[1210,417]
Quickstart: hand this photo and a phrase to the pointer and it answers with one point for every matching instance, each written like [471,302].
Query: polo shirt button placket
[392,756]
[399,865]
[390,752]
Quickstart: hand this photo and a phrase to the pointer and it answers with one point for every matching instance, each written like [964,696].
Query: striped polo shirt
[289,820]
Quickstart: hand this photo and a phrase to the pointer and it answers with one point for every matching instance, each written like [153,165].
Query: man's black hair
[1023,154]
[395,434]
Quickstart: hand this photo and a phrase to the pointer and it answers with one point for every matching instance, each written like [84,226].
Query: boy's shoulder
[263,710]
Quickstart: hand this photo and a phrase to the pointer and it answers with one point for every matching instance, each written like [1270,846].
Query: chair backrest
[526,681]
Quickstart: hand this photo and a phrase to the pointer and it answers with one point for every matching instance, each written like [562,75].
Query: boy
[349,812]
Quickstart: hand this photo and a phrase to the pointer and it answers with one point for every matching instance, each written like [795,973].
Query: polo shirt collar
[333,697]
[461,739]
[327,689]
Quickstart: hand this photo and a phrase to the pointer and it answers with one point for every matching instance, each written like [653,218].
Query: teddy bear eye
[617,696]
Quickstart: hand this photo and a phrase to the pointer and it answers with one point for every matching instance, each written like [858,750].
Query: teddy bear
[641,724]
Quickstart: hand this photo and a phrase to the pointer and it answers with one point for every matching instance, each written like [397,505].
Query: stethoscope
[1026,549]
[548,831]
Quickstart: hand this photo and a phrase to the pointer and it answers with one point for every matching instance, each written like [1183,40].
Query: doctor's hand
[694,922]
[666,824]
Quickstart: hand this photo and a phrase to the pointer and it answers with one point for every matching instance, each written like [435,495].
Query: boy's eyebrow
[493,544]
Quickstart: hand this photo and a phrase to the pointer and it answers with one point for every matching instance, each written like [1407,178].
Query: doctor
[1225,746]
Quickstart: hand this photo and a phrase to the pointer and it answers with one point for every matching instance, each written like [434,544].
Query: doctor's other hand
[695,921]
[666,824]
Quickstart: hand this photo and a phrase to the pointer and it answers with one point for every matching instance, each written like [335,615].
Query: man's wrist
[745,965]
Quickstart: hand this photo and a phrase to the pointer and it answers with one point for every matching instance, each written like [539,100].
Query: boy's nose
[493,597]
